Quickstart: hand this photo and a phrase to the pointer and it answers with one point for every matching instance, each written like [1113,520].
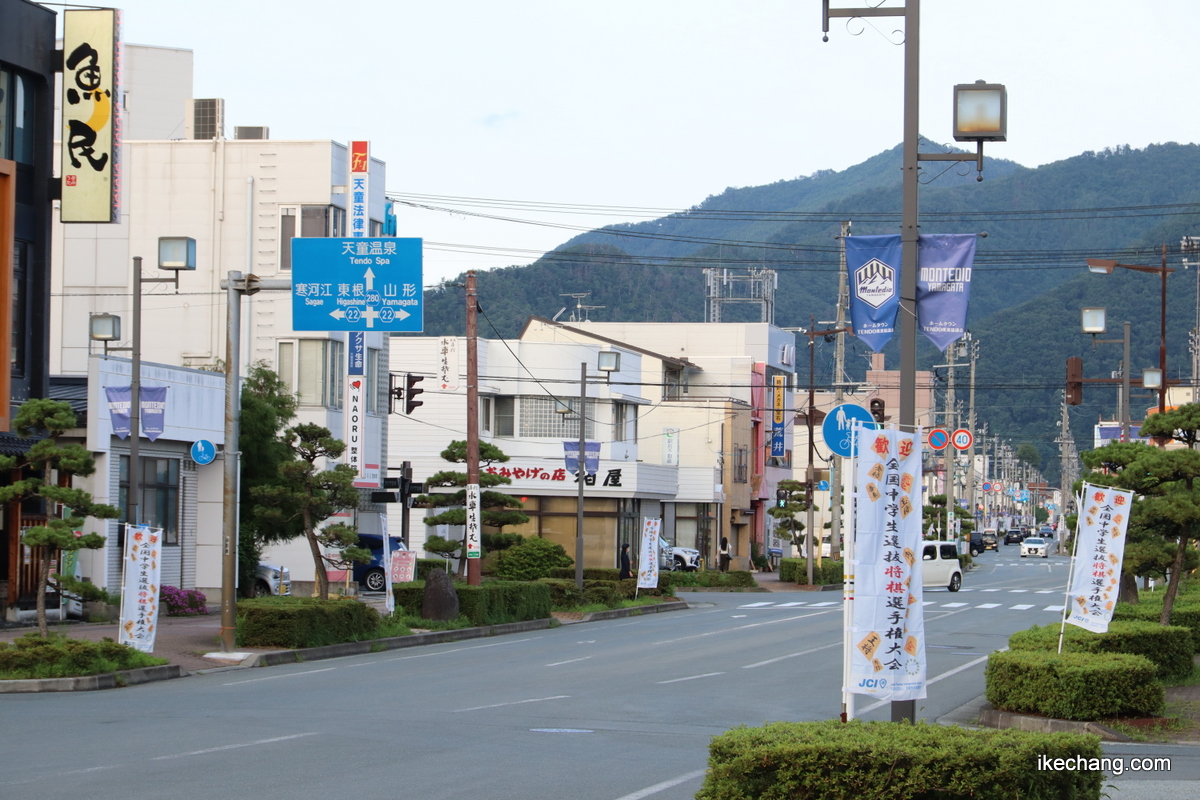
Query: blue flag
[873,264]
[119,404]
[943,285]
[153,400]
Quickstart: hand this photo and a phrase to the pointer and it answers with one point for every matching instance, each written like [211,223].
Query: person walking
[723,555]
[626,568]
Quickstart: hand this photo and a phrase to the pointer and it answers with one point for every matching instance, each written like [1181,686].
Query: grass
[641,601]
[56,656]
[1160,731]
[413,621]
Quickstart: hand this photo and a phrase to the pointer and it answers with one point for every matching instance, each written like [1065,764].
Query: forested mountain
[1027,288]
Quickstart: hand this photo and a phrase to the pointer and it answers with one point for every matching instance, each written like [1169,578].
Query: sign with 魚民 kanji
[369,284]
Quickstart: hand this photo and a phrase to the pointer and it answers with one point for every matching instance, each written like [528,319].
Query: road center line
[744,627]
[658,787]
[692,677]
[791,655]
[514,703]
[234,746]
[571,661]
[930,682]
[277,677]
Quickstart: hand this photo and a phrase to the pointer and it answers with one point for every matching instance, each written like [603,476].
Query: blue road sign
[822,486]
[837,424]
[357,285]
[203,452]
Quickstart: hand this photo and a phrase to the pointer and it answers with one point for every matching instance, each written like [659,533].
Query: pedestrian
[626,568]
[723,554]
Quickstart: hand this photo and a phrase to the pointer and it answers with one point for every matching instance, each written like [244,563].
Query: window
[674,383]
[20,270]
[16,117]
[158,500]
[741,464]
[625,422]
[308,222]
[540,418]
[485,414]
[506,415]
[5,126]
[372,382]
[314,370]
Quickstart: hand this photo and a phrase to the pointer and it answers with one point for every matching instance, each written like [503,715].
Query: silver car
[272,580]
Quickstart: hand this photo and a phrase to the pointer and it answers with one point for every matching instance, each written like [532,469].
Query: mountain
[1027,287]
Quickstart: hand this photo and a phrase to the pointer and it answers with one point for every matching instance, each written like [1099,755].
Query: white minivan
[940,565]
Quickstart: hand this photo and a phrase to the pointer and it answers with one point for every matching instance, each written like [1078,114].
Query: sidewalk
[770,581]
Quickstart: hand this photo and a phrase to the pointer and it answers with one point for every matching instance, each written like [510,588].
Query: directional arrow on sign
[337,313]
[369,277]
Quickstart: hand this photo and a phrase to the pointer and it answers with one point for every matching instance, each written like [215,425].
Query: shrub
[297,622]
[183,602]
[1185,613]
[795,570]
[493,542]
[600,594]
[735,578]
[497,602]
[589,573]
[563,593]
[850,761]
[427,565]
[55,656]
[1169,647]
[530,560]
[1080,686]
[628,589]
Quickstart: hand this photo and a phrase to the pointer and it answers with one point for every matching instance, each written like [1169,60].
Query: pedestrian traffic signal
[1074,381]
[781,498]
[878,410]
[410,392]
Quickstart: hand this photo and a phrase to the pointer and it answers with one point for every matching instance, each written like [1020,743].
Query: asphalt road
[618,710]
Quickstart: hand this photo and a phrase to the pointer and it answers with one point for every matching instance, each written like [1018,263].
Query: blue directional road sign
[837,424]
[371,284]
[203,452]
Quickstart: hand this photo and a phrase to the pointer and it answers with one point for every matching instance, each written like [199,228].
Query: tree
[1029,454]
[267,407]
[49,468]
[934,516]
[496,508]
[308,494]
[1165,481]
[795,501]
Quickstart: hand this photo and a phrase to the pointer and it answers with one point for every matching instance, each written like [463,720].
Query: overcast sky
[660,103]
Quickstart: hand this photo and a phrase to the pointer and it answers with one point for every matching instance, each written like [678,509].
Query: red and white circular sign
[938,439]
[962,439]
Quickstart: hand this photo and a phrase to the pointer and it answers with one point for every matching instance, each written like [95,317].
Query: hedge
[795,570]
[1169,647]
[1185,613]
[833,760]
[493,603]
[563,593]
[589,573]
[297,622]
[709,578]
[1079,686]
[427,565]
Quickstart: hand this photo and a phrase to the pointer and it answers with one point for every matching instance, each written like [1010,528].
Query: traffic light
[1074,381]
[410,392]
[781,498]
[878,410]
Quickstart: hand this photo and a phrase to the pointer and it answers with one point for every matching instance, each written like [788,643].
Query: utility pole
[835,468]
[948,460]
[973,354]
[474,575]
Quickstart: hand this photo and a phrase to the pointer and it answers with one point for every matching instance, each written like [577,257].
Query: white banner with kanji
[648,558]
[888,629]
[139,590]
[1099,552]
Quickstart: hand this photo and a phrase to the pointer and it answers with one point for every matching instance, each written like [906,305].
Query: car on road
[370,574]
[272,580]
[991,539]
[1013,536]
[686,559]
[940,566]
[1035,546]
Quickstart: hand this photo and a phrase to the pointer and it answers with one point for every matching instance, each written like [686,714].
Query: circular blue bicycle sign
[837,427]
[203,452]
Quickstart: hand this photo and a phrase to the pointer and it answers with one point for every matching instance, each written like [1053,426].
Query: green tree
[496,508]
[308,494]
[789,527]
[48,468]
[934,516]
[1164,481]
[267,407]
[1029,454]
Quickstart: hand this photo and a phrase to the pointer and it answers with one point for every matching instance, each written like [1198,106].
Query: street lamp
[1105,266]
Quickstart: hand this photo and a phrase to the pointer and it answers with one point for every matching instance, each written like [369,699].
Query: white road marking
[791,655]
[739,616]
[988,605]
[953,605]
[1046,591]
[989,590]
[1021,607]
[233,746]
[1053,608]
[929,602]
[692,677]
[930,682]
[741,627]
[513,703]
[758,605]
[793,605]
[277,677]
[658,787]
[572,661]
[826,603]
[1017,591]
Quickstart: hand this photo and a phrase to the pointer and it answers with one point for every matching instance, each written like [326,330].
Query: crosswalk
[929,604]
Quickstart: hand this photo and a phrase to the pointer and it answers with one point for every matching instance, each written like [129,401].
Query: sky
[657,104]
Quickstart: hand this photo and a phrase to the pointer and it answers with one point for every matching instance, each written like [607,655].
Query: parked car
[272,580]
[370,575]
[1035,546]
[1014,536]
[991,539]
[677,558]
[940,566]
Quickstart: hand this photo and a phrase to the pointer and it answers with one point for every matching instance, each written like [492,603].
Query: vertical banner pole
[848,554]
[1071,568]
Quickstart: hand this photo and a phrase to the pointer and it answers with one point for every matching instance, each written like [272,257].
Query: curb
[746,589]
[637,611]
[87,683]
[991,718]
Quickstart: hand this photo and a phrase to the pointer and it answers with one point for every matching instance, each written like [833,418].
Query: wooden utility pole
[474,576]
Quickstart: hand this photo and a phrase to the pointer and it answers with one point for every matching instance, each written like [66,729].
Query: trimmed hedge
[733,579]
[1185,613]
[589,573]
[427,565]
[628,590]
[795,570]
[1169,647]
[563,593]
[493,603]
[32,657]
[296,622]
[1079,686]
[850,761]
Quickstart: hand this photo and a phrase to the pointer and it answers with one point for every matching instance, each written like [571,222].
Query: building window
[158,500]
[485,414]
[625,422]
[741,464]
[16,118]
[372,381]
[308,222]
[314,370]
[674,384]
[540,418]
[506,415]
[20,271]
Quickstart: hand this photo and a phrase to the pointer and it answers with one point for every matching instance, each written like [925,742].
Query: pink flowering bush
[183,602]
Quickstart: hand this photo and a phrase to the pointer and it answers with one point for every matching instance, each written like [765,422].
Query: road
[618,710]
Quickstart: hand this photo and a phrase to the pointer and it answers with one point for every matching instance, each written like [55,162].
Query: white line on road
[658,787]
[791,655]
[988,605]
[757,605]
[560,663]
[989,590]
[792,605]
[277,677]
[743,627]
[233,746]
[951,605]
[827,603]
[930,682]
[739,616]
[692,677]
[1021,607]
[514,703]
[1053,608]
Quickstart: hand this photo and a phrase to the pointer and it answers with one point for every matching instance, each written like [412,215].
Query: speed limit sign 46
[962,439]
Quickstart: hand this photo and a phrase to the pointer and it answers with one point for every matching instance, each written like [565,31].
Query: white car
[1035,546]
[940,566]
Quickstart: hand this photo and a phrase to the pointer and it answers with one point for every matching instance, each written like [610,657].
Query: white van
[940,565]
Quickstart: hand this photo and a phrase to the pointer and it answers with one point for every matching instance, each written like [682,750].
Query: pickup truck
[940,566]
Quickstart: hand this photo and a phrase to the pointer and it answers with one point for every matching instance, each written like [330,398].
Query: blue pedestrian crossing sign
[370,284]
